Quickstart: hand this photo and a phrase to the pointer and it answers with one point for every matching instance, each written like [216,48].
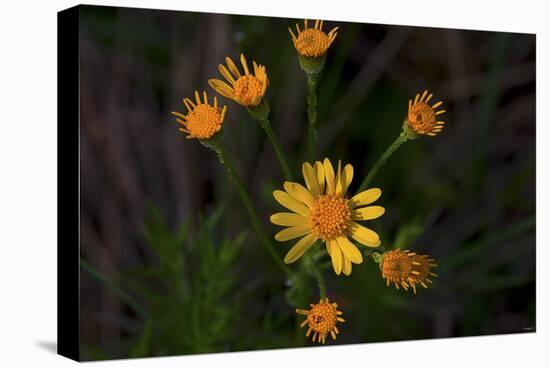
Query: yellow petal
[299,193]
[180,115]
[291,233]
[367,213]
[222,88]
[364,235]
[337,182]
[320,173]
[290,203]
[336,256]
[423,96]
[346,177]
[233,68]
[299,248]
[329,176]
[245,66]
[346,266]
[257,100]
[189,104]
[292,34]
[366,197]
[198,98]
[224,111]
[310,179]
[349,250]
[288,219]
[226,74]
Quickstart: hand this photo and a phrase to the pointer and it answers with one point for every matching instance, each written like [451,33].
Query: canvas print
[252,183]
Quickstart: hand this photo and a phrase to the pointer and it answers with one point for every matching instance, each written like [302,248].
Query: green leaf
[230,250]
[168,246]
[215,217]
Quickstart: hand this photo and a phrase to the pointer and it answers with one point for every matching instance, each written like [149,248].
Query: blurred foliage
[189,304]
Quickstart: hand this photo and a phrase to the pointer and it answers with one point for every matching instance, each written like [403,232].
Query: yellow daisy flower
[312,42]
[407,269]
[323,212]
[202,120]
[247,90]
[422,118]
[321,320]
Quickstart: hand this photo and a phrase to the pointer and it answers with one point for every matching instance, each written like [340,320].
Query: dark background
[466,197]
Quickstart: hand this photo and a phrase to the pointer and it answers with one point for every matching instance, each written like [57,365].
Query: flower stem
[266,125]
[403,137]
[320,282]
[376,254]
[311,267]
[227,164]
[312,113]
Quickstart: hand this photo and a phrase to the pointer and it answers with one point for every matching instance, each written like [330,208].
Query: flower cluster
[320,210]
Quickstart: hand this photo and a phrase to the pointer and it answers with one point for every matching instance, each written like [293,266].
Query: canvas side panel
[68,245]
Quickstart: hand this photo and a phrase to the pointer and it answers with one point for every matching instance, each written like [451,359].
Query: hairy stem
[252,213]
[266,125]
[403,137]
[312,113]
[311,267]
[320,282]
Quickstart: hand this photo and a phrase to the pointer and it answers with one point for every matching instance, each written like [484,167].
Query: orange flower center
[407,269]
[330,216]
[312,43]
[397,266]
[422,271]
[204,121]
[421,118]
[248,90]
[322,317]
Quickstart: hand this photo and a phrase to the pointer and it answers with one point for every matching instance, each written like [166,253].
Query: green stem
[311,267]
[320,282]
[403,137]
[226,163]
[375,250]
[266,125]
[312,113]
